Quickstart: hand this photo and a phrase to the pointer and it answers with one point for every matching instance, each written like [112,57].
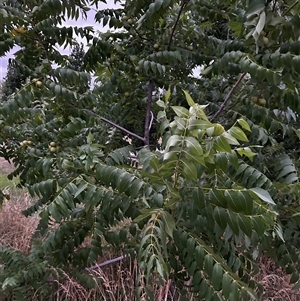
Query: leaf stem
[222,107]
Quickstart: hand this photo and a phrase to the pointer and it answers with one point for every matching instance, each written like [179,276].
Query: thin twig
[291,7]
[90,112]
[222,107]
[148,113]
[107,262]
[183,3]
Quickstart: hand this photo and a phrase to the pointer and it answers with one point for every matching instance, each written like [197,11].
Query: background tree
[12,81]
[76,57]
[223,190]
[76,61]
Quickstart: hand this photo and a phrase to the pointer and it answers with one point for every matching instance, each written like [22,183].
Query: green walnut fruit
[190,47]
[254,99]
[262,102]
[130,21]
[52,149]
[26,143]
[39,84]
[156,46]
[266,41]
[53,144]
[125,18]
[113,58]
[219,130]
[136,69]
[127,94]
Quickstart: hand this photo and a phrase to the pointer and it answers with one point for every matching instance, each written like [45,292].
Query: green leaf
[189,170]
[220,215]
[246,151]
[244,124]
[234,294]
[263,195]
[222,161]
[174,140]
[90,138]
[169,222]
[286,170]
[294,277]
[193,146]
[198,198]
[161,104]
[9,282]
[245,225]
[261,22]
[181,111]
[255,7]
[238,134]
[258,225]
[236,200]
[230,139]
[188,98]
[199,124]
[80,188]
[167,95]
[233,223]
[124,181]
[208,265]
[226,285]
[222,145]
[146,213]
[199,257]
[217,197]
[197,111]
[217,274]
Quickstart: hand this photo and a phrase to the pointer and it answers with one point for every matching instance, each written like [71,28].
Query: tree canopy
[208,92]
[12,81]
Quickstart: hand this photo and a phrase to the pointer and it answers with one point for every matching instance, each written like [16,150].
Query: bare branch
[222,107]
[90,112]
[94,267]
[183,3]
[291,7]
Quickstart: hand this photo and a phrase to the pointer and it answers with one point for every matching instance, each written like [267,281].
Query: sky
[88,22]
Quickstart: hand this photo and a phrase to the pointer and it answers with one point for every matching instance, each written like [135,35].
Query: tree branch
[222,107]
[291,7]
[94,267]
[90,112]
[183,3]
[148,113]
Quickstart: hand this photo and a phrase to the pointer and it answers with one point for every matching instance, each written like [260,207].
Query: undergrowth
[115,281]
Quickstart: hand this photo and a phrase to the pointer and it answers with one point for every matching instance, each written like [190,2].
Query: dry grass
[15,229]
[116,281]
[276,283]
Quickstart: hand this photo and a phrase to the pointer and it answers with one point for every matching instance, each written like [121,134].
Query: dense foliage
[13,80]
[198,208]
